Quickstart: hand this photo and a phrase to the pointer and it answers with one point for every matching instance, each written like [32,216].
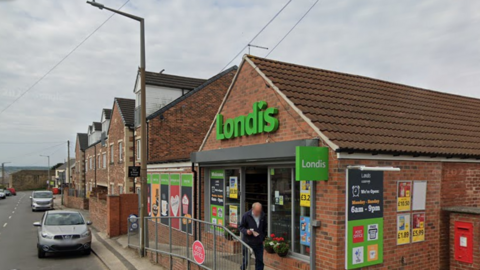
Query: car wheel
[87,251]
[41,253]
[33,210]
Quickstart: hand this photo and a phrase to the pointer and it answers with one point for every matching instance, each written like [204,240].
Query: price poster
[418,227]
[403,229]
[233,187]
[404,196]
[305,193]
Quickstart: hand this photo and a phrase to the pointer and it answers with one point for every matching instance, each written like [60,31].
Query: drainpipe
[198,198]
[96,167]
[134,152]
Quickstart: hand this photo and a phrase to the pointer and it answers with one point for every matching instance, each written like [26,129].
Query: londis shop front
[255,156]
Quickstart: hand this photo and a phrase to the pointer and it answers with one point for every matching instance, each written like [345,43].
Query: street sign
[133,171]
[198,252]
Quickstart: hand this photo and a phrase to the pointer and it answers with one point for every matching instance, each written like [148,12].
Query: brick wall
[74,201]
[460,187]
[475,220]
[249,88]
[30,179]
[98,213]
[180,130]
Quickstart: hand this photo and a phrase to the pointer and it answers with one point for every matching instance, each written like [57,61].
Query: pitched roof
[360,114]
[202,86]
[108,113]
[83,140]
[97,126]
[64,165]
[167,80]
[127,110]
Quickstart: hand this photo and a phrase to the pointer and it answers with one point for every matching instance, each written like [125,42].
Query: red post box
[464,242]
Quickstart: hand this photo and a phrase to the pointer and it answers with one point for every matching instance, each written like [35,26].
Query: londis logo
[259,121]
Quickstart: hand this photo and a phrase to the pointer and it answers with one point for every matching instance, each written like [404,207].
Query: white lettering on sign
[318,164]
[373,209]
[214,174]
[356,209]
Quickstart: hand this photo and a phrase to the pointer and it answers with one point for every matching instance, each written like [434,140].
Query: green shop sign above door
[261,120]
[311,163]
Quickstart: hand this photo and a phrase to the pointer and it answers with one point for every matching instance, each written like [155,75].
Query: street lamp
[48,169]
[143,123]
[3,173]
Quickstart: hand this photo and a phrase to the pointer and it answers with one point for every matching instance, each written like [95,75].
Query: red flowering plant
[281,246]
[269,243]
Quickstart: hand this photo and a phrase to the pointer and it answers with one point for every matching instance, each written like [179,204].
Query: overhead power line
[274,17]
[29,142]
[288,33]
[61,61]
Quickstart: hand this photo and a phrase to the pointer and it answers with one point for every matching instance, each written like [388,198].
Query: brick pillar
[113,215]
[469,215]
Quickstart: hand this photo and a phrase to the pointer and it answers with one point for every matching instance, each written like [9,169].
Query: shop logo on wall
[261,120]
[358,234]
[311,163]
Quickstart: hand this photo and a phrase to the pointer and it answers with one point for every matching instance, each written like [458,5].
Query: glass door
[280,202]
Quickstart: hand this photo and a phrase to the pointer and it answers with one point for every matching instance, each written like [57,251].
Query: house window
[120,190]
[99,161]
[91,166]
[138,149]
[111,153]
[86,165]
[120,151]
[104,160]
[111,189]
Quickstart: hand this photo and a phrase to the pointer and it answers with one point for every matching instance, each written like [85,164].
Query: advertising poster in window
[404,196]
[187,201]
[418,227]
[162,201]
[305,193]
[233,187]
[175,200]
[149,195]
[364,215]
[155,195]
[217,197]
[233,218]
[403,229]
[305,231]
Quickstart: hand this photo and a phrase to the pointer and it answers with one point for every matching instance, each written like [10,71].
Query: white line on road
[9,217]
[5,225]
[13,212]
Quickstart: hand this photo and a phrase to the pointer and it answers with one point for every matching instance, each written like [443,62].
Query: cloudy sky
[432,44]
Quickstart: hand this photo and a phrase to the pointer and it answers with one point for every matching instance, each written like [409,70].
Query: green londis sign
[311,163]
[261,120]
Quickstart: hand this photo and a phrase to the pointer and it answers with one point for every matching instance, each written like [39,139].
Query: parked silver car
[42,200]
[63,231]
[2,194]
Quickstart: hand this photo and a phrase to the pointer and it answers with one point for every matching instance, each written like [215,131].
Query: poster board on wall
[364,217]
[403,229]
[155,195]
[175,200]
[217,211]
[419,195]
[187,201]
[404,196]
[418,227]
[149,195]
[162,201]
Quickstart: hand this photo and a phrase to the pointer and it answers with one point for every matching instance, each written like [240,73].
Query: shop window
[301,222]
[232,200]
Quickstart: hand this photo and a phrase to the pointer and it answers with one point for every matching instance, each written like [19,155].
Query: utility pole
[3,173]
[143,122]
[67,171]
[48,184]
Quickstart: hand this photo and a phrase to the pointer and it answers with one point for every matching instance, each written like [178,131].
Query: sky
[432,44]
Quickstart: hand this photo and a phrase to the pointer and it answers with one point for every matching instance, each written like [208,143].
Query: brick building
[176,130]
[364,124]
[78,180]
[120,146]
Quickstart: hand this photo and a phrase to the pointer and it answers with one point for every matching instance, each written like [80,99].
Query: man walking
[254,230]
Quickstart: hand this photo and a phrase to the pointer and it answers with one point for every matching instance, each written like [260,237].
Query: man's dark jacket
[247,223]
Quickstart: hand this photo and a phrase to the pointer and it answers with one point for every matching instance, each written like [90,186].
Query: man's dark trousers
[258,251]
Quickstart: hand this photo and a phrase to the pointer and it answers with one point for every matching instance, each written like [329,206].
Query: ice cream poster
[305,231]
[418,227]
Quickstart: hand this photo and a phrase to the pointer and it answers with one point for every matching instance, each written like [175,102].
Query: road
[18,239]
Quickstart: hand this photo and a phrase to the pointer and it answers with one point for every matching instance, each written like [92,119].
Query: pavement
[18,240]
[113,252]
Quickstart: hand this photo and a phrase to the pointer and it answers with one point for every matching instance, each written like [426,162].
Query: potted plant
[281,247]
[269,243]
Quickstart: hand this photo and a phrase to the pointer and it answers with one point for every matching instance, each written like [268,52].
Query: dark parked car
[7,192]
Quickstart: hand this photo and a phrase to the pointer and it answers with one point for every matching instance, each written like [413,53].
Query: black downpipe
[134,158]
[198,197]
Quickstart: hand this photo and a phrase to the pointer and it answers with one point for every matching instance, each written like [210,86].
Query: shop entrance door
[256,187]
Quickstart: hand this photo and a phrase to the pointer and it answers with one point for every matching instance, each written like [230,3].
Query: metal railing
[168,237]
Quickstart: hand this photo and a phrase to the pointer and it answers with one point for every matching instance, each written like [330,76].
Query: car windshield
[42,195]
[64,219]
